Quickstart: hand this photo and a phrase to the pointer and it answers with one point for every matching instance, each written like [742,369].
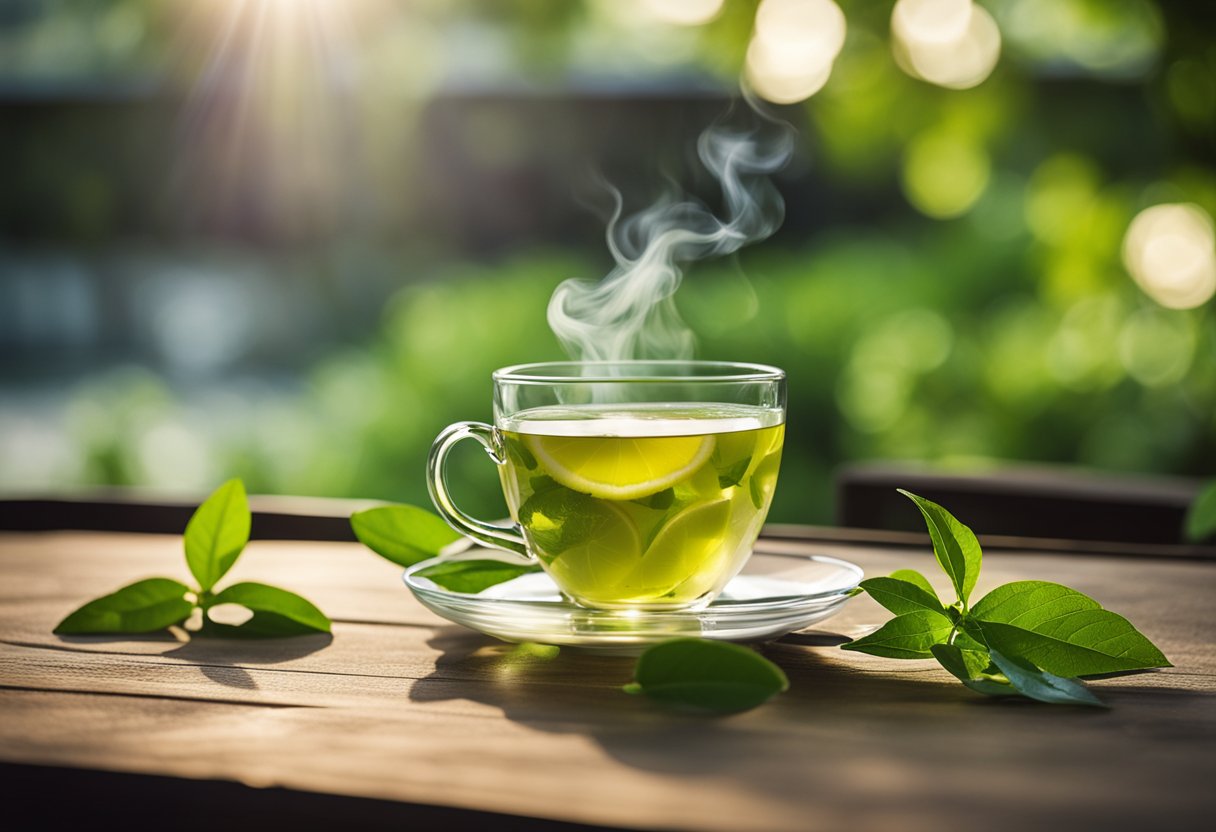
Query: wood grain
[399,705]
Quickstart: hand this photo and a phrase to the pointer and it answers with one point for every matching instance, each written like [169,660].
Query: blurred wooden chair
[1058,503]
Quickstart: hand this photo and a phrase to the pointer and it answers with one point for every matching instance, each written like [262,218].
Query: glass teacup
[635,485]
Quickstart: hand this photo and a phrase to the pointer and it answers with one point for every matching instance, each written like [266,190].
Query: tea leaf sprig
[214,539]
[1026,638]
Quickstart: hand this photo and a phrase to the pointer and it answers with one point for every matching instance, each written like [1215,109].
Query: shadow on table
[847,730]
[572,691]
[216,658]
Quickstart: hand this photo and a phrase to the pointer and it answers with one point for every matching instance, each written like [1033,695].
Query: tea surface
[642,506]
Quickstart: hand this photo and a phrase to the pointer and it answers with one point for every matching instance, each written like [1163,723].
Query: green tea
[641,506]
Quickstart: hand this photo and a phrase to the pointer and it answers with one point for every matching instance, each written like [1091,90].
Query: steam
[631,313]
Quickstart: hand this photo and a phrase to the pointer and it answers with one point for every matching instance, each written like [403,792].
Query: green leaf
[756,491]
[1038,684]
[559,518]
[142,607]
[954,544]
[965,665]
[900,597]
[966,641]
[1030,603]
[660,501]
[992,687]
[917,579]
[1077,643]
[519,454]
[733,475]
[403,534]
[1061,630]
[908,636]
[216,533]
[1201,516]
[473,576]
[276,612]
[703,675]
[974,669]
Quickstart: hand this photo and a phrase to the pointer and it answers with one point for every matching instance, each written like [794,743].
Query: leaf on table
[142,607]
[1079,643]
[1061,630]
[965,665]
[974,669]
[1200,521]
[403,534]
[900,596]
[1029,603]
[1036,683]
[216,533]
[967,640]
[276,612]
[954,545]
[992,686]
[472,576]
[908,636]
[917,579]
[704,675]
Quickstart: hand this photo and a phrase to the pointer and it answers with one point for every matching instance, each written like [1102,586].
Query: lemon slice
[685,553]
[608,548]
[620,467]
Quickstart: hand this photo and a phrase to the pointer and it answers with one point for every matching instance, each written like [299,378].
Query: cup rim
[729,371]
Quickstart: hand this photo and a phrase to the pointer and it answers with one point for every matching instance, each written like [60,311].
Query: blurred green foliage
[891,354]
[981,312]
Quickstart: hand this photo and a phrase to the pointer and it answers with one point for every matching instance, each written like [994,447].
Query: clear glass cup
[634,485]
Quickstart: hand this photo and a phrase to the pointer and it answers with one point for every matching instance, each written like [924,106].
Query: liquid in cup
[641,506]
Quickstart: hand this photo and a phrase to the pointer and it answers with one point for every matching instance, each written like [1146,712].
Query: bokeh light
[931,21]
[1170,250]
[950,43]
[943,174]
[1157,347]
[683,12]
[1111,38]
[792,49]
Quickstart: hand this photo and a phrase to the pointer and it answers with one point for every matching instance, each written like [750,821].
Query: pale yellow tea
[642,506]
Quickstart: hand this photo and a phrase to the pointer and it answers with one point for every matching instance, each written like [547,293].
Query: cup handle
[497,537]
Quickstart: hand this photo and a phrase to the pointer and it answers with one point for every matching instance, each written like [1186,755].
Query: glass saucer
[775,594]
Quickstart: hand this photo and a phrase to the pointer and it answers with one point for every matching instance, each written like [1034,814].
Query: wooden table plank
[403,706]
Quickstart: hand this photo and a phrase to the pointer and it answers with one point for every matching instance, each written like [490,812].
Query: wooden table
[401,719]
